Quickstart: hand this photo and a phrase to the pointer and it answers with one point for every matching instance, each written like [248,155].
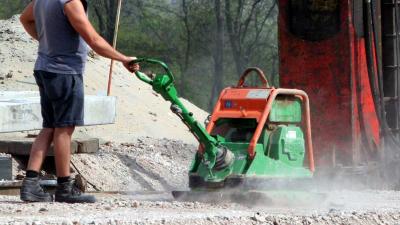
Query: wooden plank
[10,184]
[12,187]
[22,147]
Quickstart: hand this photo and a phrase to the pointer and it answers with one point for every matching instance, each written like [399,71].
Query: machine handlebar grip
[146,78]
[260,74]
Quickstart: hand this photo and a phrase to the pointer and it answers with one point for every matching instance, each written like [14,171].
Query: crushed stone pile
[145,165]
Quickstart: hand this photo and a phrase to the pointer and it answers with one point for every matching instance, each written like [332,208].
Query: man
[61,27]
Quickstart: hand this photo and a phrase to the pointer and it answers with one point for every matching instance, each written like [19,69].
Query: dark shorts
[61,99]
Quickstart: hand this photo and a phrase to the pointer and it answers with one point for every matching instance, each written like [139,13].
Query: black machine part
[224,159]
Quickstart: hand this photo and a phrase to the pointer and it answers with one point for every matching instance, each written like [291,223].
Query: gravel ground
[372,208]
[145,165]
[148,169]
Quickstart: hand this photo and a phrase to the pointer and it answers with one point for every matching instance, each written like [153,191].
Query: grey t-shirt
[61,49]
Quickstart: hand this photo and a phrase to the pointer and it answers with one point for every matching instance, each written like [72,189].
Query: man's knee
[64,130]
[48,131]
[43,140]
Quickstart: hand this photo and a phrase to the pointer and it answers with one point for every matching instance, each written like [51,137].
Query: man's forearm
[79,21]
[104,49]
[31,29]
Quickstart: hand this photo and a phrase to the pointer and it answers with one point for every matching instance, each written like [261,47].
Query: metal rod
[306,121]
[396,21]
[114,46]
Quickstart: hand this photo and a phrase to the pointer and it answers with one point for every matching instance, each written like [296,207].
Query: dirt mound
[140,111]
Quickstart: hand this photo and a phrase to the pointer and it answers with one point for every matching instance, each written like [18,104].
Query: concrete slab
[20,111]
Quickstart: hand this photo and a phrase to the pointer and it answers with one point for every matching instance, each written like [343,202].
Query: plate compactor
[256,138]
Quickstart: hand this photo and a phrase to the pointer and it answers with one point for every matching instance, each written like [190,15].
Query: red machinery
[345,57]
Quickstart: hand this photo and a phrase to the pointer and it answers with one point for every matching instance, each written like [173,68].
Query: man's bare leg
[31,191]
[66,191]
[62,150]
[39,149]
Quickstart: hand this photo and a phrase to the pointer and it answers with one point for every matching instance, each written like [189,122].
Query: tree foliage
[10,7]
[103,14]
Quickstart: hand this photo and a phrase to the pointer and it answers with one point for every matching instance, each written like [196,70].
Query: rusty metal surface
[333,72]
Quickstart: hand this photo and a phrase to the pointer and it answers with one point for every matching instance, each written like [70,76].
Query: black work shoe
[68,192]
[31,191]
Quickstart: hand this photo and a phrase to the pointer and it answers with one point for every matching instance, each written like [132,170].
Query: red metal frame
[334,74]
[247,72]
[259,109]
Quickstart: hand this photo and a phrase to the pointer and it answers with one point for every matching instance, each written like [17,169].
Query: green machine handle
[143,77]
[215,155]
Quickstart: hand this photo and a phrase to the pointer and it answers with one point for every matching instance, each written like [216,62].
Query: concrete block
[20,111]
[5,168]
[91,145]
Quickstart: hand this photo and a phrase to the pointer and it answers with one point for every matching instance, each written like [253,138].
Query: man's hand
[131,67]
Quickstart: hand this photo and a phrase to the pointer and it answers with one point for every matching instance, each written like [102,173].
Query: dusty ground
[139,156]
[344,208]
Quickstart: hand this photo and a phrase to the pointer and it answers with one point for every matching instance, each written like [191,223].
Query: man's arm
[28,21]
[77,17]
